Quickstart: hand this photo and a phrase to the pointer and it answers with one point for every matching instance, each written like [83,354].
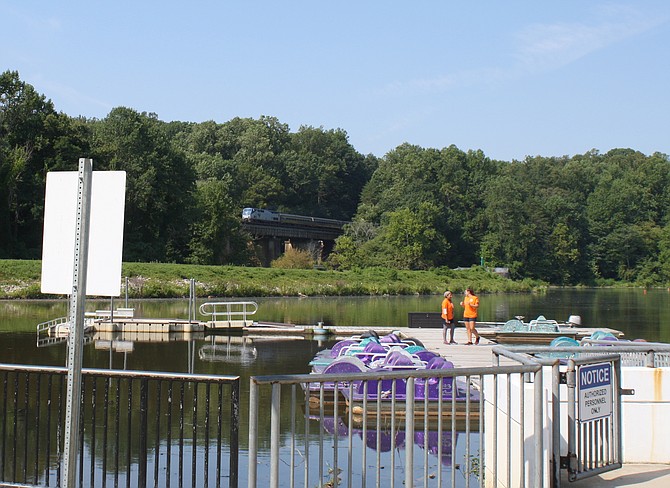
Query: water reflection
[386,440]
[228,349]
[636,313]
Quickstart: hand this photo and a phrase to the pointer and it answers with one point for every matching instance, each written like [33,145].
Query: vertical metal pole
[522,428]
[556,426]
[539,428]
[494,426]
[144,429]
[275,439]
[253,433]
[616,416]
[76,335]
[509,429]
[234,433]
[190,299]
[409,433]
[195,299]
[572,419]
[126,292]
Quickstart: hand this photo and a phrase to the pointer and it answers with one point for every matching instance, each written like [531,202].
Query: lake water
[636,313]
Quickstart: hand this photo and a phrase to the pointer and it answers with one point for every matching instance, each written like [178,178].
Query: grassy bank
[21,279]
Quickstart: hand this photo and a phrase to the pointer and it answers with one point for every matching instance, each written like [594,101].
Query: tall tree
[34,139]
[160,184]
[325,174]
[216,237]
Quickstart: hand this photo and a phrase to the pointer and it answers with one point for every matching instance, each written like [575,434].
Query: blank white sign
[105,248]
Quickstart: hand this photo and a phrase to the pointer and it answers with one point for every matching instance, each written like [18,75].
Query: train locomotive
[261,215]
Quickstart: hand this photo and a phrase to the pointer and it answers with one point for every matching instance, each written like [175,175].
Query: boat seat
[425,355]
[389,338]
[337,348]
[346,364]
[514,325]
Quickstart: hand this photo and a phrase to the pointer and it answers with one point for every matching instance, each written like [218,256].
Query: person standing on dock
[448,318]
[470,304]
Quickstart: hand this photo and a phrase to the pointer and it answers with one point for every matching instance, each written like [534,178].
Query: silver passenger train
[262,215]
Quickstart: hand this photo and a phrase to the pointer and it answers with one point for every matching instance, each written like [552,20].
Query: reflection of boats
[229,350]
[384,440]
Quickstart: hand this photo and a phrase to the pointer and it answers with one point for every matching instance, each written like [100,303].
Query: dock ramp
[228,315]
[57,330]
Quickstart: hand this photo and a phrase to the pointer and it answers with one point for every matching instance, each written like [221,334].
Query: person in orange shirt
[448,318]
[470,304]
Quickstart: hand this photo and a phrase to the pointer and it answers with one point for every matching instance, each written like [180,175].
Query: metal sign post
[89,230]
[76,335]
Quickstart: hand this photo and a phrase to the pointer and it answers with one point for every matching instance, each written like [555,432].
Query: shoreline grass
[20,279]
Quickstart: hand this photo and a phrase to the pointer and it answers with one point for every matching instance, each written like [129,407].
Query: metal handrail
[45,326]
[231,310]
[318,399]
[649,354]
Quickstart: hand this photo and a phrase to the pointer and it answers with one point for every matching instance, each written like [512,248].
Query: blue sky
[512,78]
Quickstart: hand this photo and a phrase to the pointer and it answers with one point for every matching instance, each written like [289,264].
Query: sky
[510,78]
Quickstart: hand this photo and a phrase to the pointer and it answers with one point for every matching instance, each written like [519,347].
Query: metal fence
[646,354]
[403,428]
[594,445]
[137,428]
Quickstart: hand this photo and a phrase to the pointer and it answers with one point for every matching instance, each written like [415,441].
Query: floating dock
[148,326]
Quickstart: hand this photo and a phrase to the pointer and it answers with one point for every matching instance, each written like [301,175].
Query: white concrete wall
[646,415]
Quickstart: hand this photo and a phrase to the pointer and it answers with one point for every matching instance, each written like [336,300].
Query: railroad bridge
[273,239]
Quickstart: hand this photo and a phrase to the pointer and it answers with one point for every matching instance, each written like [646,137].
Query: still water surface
[636,313]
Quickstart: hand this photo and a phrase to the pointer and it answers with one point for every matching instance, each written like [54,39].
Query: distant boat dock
[237,317]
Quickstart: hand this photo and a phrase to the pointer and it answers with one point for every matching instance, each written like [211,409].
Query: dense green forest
[587,218]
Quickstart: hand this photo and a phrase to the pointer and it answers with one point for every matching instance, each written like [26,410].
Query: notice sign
[595,391]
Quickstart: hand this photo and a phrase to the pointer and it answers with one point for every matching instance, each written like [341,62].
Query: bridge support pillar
[270,249]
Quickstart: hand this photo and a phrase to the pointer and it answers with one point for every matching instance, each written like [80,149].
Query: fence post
[539,432]
[571,377]
[253,433]
[556,425]
[234,432]
[142,455]
[409,433]
[649,359]
[275,435]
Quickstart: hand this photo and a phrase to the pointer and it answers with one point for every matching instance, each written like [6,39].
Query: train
[261,215]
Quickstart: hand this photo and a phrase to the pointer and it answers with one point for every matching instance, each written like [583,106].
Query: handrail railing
[135,426]
[649,354]
[228,311]
[335,421]
[51,324]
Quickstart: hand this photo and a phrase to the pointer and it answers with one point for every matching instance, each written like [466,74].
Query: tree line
[566,220]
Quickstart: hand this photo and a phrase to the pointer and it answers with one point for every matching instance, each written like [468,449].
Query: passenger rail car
[260,215]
